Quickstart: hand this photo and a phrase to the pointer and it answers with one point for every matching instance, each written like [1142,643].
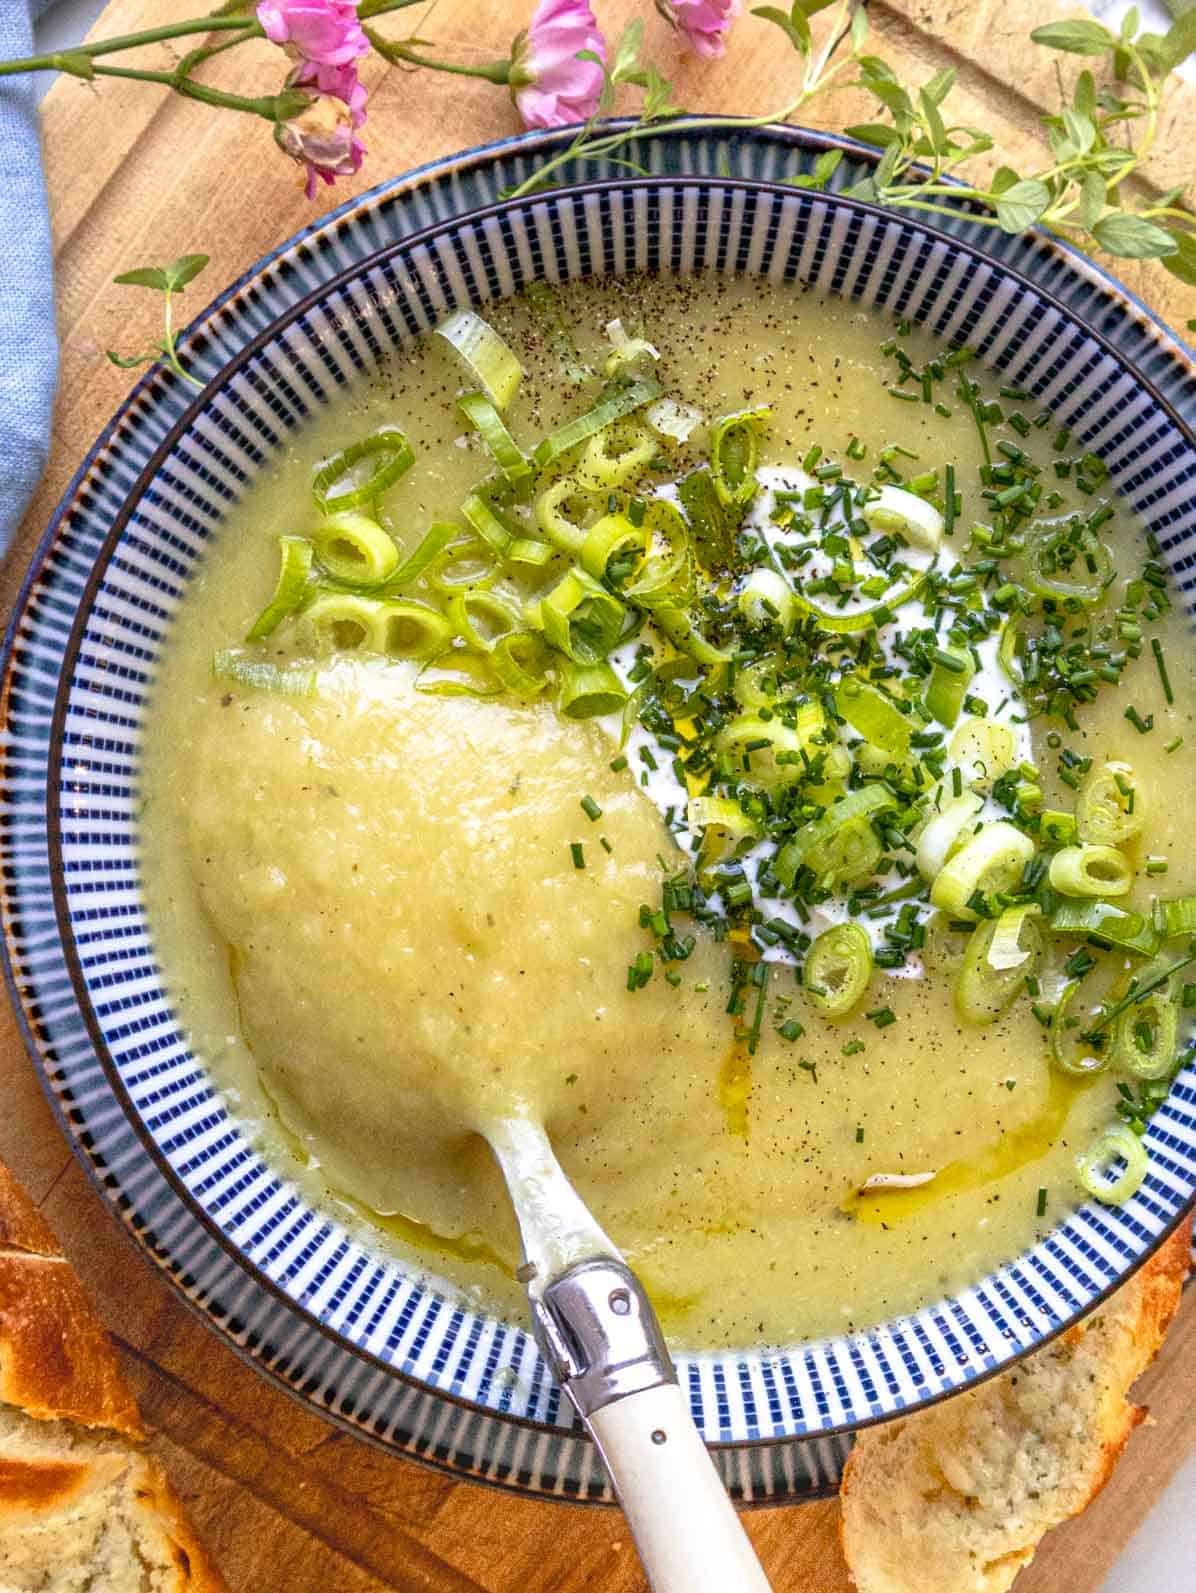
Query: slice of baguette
[82,1508]
[957,1499]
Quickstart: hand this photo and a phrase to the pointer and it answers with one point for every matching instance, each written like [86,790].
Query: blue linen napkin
[28,346]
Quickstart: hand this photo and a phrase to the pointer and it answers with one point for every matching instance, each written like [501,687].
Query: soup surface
[388,915]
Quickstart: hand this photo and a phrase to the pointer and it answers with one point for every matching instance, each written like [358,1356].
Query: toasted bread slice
[957,1498]
[82,1508]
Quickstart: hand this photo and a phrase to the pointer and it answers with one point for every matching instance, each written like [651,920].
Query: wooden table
[284,1500]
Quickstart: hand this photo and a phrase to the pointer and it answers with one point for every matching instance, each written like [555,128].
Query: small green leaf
[627,50]
[144,277]
[184,270]
[827,164]
[1179,41]
[1003,179]
[1080,130]
[1182,263]
[791,23]
[1130,24]
[859,28]
[933,122]
[1021,204]
[940,85]
[865,189]
[1092,199]
[1085,93]
[811,8]
[131,361]
[879,134]
[1133,237]
[886,167]
[1077,37]
[1192,324]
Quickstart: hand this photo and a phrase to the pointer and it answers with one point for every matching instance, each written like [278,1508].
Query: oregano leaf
[933,122]
[827,164]
[1021,204]
[792,24]
[940,85]
[1080,130]
[184,270]
[1133,237]
[1179,41]
[1003,178]
[1182,263]
[627,50]
[879,134]
[1077,37]
[128,362]
[145,277]
[1093,193]
[1130,23]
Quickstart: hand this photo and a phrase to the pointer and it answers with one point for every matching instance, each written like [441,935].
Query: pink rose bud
[322,140]
[549,84]
[703,24]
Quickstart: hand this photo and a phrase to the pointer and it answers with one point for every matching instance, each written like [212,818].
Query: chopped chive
[577,854]
[1175,745]
[853,1048]
[792,1030]
[1042,1203]
[618,764]
[591,809]
[1135,718]
[606,846]
[1156,648]
[882,1016]
[859,1134]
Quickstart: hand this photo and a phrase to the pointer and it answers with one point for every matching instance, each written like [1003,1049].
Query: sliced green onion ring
[874,715]
[481,414]
[725,823]
[943,831]
[466,562]
[1178,916]
[861,803]
[612,537]
[766,598]
[458,673]
[1009,649]
[1107,923]
[552,513]
[295,561]
[490,363]
[581,619]
[1118,1141]
[398,627]
[1109,808]
[520,660]
[243,669]
[837,969]
[614,456]
[488,523]
[894,509]
[1146,1035]
[405,628]
[434,541]
[735,455]
[1001,954]
[393,457]
[474,607]
[587,691]
[1071,1051]
[992,860]
[614,406]
[1091,871]
[355,549]
[1059,566]
[983,750]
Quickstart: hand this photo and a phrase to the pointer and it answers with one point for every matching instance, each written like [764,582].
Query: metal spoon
[599,1332]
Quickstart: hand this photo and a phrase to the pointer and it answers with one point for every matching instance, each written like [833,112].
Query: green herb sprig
[166,280]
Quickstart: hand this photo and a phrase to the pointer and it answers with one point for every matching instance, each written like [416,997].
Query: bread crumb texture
[957,1499]
[82,1508]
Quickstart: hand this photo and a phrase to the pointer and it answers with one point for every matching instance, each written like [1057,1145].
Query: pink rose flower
[322,139]
[323,32]
[704,24]
[549,84]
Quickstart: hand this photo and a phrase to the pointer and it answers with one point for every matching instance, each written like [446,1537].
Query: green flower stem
[267,106]
[131,41]
[402,54]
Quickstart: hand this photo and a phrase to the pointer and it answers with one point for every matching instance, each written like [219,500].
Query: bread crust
[77,1418]
[892,1541]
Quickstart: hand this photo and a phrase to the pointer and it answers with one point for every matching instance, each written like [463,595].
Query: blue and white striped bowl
[347,1330]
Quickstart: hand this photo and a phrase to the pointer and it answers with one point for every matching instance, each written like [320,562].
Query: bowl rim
[132,497]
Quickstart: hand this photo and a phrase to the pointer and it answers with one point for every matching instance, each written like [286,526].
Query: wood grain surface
[284,1500]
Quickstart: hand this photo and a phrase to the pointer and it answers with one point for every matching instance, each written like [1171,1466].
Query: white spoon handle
[685,1527]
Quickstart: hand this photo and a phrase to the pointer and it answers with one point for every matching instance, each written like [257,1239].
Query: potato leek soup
[724,726]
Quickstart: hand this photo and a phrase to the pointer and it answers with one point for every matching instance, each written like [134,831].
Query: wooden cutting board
[137,178]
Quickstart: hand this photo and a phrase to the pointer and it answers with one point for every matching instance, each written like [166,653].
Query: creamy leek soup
[724,726]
